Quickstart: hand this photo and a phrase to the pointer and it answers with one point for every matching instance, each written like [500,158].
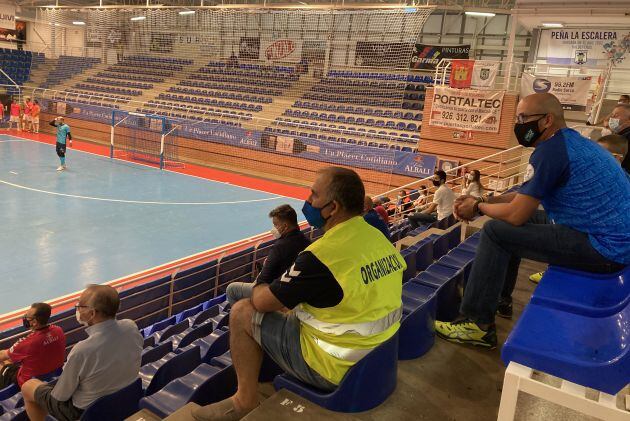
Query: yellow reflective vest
[369,270]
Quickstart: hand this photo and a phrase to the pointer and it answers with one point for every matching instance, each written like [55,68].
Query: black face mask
[26,323]
[527,133]
[436,183]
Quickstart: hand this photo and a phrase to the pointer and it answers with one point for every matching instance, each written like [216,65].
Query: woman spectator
[472,184]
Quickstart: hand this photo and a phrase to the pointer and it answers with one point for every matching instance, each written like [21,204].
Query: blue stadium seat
[175,329]
[591,351]
[206,384]
[446,280]
[117,406]
[357,391]
[588,294]
[410,258]
[417,327]
[157,374]
[153,354]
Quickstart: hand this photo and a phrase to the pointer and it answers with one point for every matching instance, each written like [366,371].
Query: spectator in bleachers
[107,361]
[343,306]
[233,60]
[574,179]
[290,242]
[619,123]
[421,201]
[28,119]
[40,352]
[373,218]
[617,145]
[15,115]
[472,184]
[35,116]
[624,99]
[380,209]
[442,205]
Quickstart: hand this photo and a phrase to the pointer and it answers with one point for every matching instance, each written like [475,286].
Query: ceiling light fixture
[482,14]
[187,12]
[553,25]
[78,22]
[136,18]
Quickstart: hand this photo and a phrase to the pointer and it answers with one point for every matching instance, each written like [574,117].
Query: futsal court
[103,219]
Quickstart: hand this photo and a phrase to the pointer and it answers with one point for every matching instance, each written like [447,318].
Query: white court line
[139,202]
[19,139]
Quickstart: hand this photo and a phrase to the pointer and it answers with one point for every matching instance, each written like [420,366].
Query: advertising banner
[399,162]
[382,54]
[16,34]
[572,91]
[249,47]
[466,109]
[280,50]
[592,47]
[7,16]
[427,57]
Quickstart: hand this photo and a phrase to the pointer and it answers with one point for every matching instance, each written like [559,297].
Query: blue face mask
[314,215]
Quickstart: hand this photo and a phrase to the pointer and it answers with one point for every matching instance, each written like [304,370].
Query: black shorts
[8,375]
[63,411]
[61,149]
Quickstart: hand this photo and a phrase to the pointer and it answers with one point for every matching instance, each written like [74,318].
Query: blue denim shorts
[279,336]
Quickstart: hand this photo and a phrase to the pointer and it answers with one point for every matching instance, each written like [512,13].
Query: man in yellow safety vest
[344,291]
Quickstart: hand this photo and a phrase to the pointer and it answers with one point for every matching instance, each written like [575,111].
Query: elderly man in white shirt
[442,205]
[107,361]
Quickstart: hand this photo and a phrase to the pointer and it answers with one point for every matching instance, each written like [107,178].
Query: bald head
[368,204]
[102,298]
[541,104]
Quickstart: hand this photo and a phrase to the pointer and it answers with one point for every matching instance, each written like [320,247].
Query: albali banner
[572,91]
[475,74]
[382,54]
[427,57]
[466,109]
[249,47]
[385,160]
[281,50]
[592,47]
[7,16]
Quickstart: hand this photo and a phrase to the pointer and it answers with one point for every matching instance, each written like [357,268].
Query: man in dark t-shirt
[40,352]
[290,241]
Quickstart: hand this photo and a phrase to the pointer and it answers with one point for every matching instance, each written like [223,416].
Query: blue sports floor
[104,219]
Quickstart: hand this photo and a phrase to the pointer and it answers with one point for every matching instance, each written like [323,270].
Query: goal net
[143,137]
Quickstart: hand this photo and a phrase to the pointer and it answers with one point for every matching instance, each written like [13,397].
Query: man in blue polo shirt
[585,225]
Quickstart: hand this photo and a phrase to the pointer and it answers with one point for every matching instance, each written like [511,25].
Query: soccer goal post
[142,137]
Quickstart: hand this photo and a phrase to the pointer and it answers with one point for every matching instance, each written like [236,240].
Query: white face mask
[276,234]
[614,124]
[78,317]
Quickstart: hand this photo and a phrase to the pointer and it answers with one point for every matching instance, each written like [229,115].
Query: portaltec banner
[7,16]
[572,91]
[466,109]
[280,50]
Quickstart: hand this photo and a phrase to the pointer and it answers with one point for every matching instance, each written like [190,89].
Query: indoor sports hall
[305,210]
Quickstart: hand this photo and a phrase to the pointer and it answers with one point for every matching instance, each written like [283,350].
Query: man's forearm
[504,198]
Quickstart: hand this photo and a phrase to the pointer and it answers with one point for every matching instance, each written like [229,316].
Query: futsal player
[63,132]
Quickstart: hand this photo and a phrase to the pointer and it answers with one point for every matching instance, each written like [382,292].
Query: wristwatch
[476,205]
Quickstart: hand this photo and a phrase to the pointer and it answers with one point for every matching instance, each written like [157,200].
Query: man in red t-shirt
[40,352]
[15,115]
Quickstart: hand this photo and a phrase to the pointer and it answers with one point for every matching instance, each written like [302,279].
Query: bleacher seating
[68,67]
[17,64]
[186,356]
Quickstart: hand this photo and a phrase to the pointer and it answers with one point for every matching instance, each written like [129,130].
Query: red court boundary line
[8,321]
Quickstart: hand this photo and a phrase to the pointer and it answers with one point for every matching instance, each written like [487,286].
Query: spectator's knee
[29,387]
[241,314]
[492,229]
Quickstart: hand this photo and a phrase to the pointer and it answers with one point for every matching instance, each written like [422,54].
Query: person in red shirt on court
[15,115]
[40,352]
